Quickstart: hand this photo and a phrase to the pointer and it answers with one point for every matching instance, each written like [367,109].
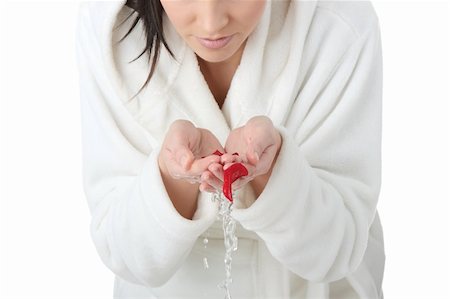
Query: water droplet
[205,263]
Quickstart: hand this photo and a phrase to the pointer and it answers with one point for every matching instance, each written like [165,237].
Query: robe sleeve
[318,205]
[136,230]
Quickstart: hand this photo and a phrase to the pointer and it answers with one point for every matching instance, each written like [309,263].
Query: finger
[254,153]
[200,165]
[266,160]
[226,165]
[226,158]
[194,171]
[217,170]
[174,166]
[230,158]
[205,187]
[212,180]
[184,157]
[239,183]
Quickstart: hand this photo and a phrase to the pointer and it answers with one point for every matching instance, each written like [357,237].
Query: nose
[212,17]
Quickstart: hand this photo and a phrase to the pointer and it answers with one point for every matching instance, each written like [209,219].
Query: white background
[46,251]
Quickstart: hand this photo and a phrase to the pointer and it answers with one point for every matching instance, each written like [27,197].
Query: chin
[216,57]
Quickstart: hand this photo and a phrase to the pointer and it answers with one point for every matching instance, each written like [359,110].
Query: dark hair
[151,13]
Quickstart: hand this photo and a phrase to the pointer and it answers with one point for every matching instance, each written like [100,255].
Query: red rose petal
[217,153]
[231,174]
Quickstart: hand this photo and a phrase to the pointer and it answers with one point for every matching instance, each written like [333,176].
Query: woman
[293,87]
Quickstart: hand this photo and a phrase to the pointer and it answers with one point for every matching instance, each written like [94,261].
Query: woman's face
[214,29]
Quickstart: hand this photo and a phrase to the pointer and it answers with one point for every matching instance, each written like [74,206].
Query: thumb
[254,153]
[184,157]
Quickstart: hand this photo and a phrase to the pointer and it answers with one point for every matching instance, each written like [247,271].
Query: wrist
[162,165]
[259,183]
[182,194]
[279,143]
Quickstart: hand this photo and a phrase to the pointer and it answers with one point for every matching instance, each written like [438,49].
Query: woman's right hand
[187,151]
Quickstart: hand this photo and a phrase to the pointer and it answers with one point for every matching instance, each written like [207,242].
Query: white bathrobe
[315,68]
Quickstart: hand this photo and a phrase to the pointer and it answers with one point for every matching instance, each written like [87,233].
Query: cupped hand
[255,145]
[187,151]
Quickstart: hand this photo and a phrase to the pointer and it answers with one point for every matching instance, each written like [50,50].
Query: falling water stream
[230,239]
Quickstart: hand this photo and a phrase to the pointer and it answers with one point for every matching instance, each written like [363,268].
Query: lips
[215,43]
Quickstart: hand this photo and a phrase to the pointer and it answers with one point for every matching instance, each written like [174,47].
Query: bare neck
[219,75]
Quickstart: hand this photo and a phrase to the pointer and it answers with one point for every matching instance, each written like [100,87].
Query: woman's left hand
[257,143]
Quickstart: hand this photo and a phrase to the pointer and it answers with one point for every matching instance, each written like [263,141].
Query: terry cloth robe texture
[314,68]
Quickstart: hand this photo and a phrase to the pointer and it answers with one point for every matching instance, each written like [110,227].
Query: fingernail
[256,156]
